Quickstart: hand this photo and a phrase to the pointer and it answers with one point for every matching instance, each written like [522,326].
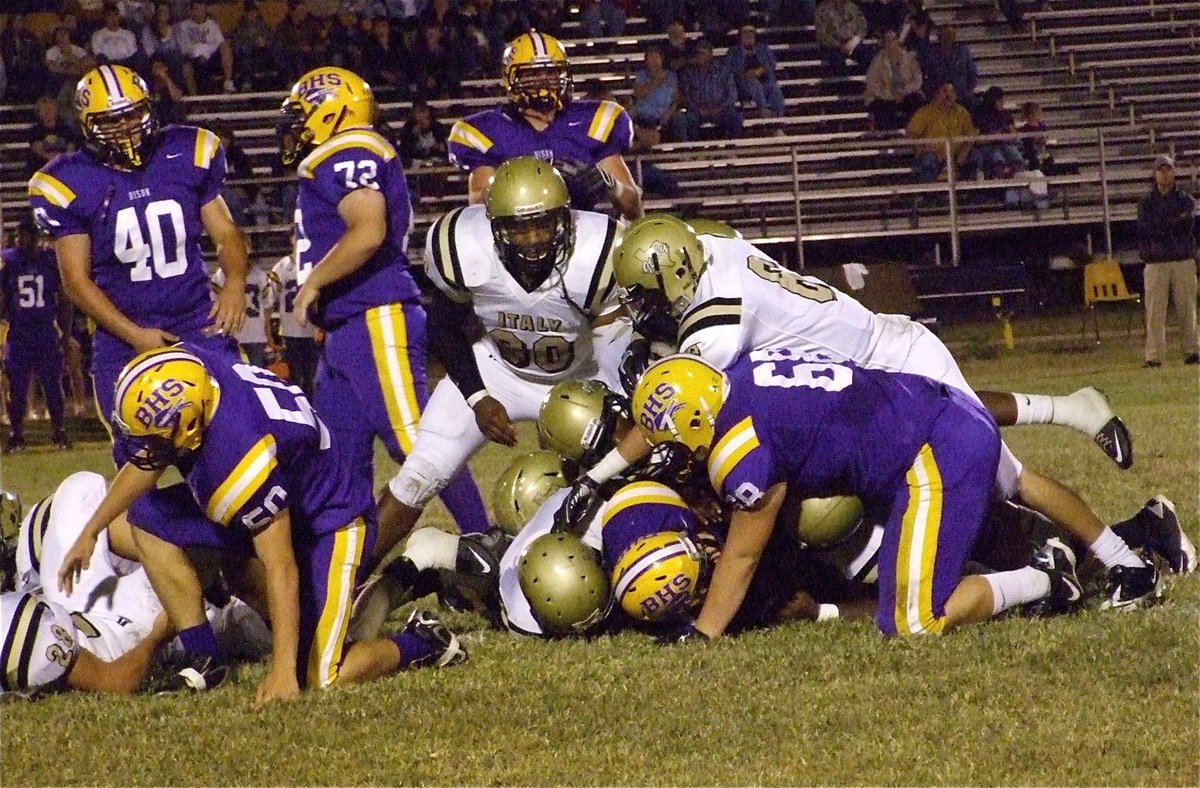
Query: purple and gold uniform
[581,135]
[145,230]
[371,380]
[31,287]
[637,510]
[266,451]
[921,456]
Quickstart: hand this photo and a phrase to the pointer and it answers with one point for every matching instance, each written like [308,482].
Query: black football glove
[669,463]
[633,363]
[683,632]
[578,508]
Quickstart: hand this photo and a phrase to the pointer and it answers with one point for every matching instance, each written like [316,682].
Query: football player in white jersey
[300,350]
[723,296]
[538,277]
[252,335]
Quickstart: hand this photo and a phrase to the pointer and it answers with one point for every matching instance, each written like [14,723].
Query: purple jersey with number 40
[144,227]
[352,160]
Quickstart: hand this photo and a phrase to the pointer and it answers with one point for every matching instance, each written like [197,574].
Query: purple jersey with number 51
[266,450]
[144,227]
[352,160]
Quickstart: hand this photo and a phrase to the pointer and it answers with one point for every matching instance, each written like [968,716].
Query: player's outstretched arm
[125,674]
[75,265]
[477,184]
[626,194]
[229,308]
[274,546]
[365,213]
[749,531]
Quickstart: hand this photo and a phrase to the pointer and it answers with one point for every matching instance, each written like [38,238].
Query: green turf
[1097,698]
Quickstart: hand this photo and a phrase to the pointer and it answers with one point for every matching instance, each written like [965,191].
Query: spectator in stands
[1036,149]
[237,167]
[422,140]
[1000,158]
[546,16]
[943,117]
[252,51]
[656,97]
[441,13]
[116,45]
[709,93]
[917,33]
[884,15]
[207,56]
[951,61]
[439,68]
[67,61]
[158,41]
[840,30]
[294,43]
[23,61]
[678,50]
[893,89]
[753,65]
[500,23]
[1167,242]
[165,90]
[48,137]
[383,60]
[136,14]
[3,79]
[661,13]
[717,17]
[602,18]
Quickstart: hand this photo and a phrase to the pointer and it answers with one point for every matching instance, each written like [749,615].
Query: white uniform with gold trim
[259,297]
[746,301]
[532,340]
[38,643]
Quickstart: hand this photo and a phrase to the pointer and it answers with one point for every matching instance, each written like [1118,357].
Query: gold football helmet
[578,421]
[713,227]
[164,399]
[564,583]
[678,399]
[535,73]
[824,522]
[529,208]
[658,264]
[660,576]
[523,488]
[116,116]
[10,515]
[322,103]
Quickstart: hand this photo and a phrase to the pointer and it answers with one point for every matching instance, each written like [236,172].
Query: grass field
[1094,699]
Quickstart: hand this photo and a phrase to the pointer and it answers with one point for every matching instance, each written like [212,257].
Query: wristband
[473,400]
[608,467]
[827,612]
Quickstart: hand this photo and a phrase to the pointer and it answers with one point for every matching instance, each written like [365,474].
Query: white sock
[1034,408]
[1017,587]
[1111,550]
[430,548]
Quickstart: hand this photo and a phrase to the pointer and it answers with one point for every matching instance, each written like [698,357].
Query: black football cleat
[197,674]
[1165,537]
[1057,560]
[1131,587]
[444,645]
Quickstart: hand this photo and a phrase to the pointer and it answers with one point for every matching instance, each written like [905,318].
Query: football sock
[1085,410]
[1034,408]
[430,548]
[412,648]
[1112,551]
[1017,587]
[461,497]
[200,640]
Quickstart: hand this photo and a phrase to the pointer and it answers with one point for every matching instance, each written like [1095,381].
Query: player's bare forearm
[232,252]
[748,535]
[129,484]
[477,184]
[633,446]
[626,194]
[125,674]
[274,546]
[75,266]
[365,213]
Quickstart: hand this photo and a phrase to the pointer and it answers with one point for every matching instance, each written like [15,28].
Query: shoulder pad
[466,132]
[454,243]
[607,231]
[604,119]
[364,139]
[204,145]
[51,183]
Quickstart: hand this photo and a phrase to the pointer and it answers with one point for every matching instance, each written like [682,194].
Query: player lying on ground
[266,473]
[723,298]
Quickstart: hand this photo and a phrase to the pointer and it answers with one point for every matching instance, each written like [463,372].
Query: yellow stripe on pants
[389,346]
[325,655]
[917,550]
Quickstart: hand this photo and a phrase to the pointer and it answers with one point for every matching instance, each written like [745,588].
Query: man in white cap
[1167,242]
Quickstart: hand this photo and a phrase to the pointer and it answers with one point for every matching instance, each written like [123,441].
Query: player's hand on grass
[305,297]
[684,632]
[150,338]
[279,685]
[77,559]
[493,421]
[228,310]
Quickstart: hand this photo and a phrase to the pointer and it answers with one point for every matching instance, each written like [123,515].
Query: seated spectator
[661,13]
[384,60]
[708,91]
[656,96]
[717,17]
[439,68]
[885,15]
[67,61]
[602,18]
[499,23]
[165,90]
[893,89]
[678,50]
[1036,149]
[294,43]
[546,16]
[23,62]
[840,30]
[252,57]
[48,137]
[917,33]
[136,14]
[943,117]
[423,137]
[345,50]
[237,167]
[207,57]
[116,45]
[753,65]
[951,62]
[1000,158]
[158,41]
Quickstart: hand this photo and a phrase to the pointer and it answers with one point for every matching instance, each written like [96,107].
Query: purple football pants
[22,362]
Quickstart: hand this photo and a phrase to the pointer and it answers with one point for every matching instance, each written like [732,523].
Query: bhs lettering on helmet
[660,408]
[158,409]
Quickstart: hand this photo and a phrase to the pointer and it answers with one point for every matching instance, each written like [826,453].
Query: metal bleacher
[1128,74]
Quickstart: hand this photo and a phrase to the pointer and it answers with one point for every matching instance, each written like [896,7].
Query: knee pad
[417,482]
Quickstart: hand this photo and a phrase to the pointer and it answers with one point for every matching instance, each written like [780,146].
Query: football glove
[683,632]
[633,363]
[579,507]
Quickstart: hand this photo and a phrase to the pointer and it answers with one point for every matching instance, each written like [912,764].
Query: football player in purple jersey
[267,478]
[583,139]
[353,219]
[126,214]
[39,323]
